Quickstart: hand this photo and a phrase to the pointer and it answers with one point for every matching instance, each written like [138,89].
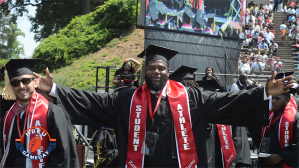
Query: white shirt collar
[163,91]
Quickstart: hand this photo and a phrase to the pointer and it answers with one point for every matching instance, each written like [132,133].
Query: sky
[28,41]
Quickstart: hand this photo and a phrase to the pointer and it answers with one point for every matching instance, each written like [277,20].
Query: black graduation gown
[288,154]
[59,128]
[236,108]
[240,142]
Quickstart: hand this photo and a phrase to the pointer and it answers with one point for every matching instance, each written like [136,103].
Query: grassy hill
[81,74]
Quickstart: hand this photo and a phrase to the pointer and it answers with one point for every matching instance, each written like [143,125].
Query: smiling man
[33,110]
[281,137]
[162,123]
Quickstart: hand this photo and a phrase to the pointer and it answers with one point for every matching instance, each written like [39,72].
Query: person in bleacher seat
[245,66]
[262,47]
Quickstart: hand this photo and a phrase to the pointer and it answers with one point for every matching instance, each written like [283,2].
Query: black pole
[225,58]
[107,79]
[97,79]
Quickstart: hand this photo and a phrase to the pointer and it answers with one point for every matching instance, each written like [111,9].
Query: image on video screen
[213,17]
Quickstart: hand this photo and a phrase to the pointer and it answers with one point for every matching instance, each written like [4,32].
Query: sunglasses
[25,81]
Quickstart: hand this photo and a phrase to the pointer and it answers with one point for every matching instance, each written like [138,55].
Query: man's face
[279,102]
[244,60]
[156,74]
[23,92]
[243,80]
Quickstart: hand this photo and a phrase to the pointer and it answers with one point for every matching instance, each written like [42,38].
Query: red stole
[285,133]
[38,110]
[179,105]
[227,144]
[200,5]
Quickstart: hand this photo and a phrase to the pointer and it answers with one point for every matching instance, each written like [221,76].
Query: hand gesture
[273,159]
[44,83]
[279,86]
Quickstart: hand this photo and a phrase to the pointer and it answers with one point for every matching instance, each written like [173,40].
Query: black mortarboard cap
[15,68]
[188,12]
[180,15]
[283,75]
[162,8]
[200,18]
[183,73]
[19,67]
[155,52]
[154,13]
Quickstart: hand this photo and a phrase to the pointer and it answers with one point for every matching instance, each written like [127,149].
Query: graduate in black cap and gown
[33,110]
[279,141]
[162,123]
[184,75]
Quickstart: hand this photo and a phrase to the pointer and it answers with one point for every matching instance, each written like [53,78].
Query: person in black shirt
[210,75]
[126,69]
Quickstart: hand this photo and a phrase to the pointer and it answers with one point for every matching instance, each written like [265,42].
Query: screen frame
[184,32]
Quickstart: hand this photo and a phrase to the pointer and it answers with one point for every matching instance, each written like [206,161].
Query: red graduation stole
[179,105]
[227,144]
[285,133]
[38,110]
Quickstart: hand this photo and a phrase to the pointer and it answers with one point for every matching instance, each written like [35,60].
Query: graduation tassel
[142,74]
[8,93]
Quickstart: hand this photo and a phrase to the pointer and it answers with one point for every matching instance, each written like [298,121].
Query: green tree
[51,15]
[10,47]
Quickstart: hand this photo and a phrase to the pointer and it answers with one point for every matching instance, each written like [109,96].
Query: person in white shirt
[245,67]
[250,32]
[256,27]
[277,65]
[290,12]
[264,57]
[242,83]
[269,36]
[286,9]
[273,47]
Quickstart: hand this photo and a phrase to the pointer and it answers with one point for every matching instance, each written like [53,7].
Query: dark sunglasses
[25,81]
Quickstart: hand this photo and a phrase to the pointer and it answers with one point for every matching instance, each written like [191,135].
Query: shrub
[113,42]
[84,34]
[105,54]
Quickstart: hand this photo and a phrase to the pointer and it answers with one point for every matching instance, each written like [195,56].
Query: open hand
[279,86]
[273,159]
[44,83]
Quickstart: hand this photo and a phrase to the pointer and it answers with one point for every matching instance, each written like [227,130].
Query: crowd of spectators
[260,36]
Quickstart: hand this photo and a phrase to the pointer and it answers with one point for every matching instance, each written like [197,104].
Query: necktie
[18,109]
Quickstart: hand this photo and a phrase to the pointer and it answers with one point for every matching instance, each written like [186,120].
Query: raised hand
[44,83]
[279,86]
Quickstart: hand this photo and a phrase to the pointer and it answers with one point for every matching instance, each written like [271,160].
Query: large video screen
[212,17]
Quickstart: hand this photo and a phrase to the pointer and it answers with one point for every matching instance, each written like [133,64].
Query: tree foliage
[86,34]
[10,47]
[51,15]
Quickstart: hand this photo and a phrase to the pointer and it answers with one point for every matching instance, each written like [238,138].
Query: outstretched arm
[244,108]
[84,107]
